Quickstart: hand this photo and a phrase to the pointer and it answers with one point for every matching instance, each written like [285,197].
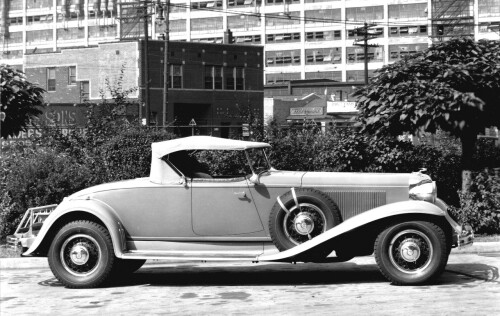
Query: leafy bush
[128,155]
[481,206]
[36,178]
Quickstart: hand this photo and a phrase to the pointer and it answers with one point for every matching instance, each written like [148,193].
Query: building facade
[212,85]
[302,39]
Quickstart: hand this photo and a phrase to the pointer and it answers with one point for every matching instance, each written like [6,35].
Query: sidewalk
[41,263]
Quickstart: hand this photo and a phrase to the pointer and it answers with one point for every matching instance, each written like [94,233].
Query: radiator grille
[352,203]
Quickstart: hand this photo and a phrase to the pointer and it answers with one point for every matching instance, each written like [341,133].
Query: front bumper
[465,237]
[463,234]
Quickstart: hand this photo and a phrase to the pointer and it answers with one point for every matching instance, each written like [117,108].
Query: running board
[191,256]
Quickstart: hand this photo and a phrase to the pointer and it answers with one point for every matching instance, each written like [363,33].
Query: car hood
[356,179]
[125,184]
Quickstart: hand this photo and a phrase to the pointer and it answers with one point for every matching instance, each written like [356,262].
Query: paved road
[469,286]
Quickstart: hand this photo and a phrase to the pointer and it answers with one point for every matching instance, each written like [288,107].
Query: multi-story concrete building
[303,39]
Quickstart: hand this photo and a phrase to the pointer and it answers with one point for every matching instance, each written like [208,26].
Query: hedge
[62,164]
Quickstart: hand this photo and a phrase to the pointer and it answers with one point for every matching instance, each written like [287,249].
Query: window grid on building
[408,11]
[283,58]
[72,75]
[323,56]
[51,79]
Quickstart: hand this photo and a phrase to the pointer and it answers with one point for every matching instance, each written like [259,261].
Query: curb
[42,263]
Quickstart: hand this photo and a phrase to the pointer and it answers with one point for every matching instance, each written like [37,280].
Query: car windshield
[258,160]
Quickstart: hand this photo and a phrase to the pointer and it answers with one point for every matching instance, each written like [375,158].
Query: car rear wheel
[81,254]
[302,215]
[411,252]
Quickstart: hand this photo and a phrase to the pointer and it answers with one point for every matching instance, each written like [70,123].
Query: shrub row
[62,164]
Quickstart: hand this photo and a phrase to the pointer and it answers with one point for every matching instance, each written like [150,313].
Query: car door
[223,207]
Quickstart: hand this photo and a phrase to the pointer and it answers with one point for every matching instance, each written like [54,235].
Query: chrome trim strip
[204,239]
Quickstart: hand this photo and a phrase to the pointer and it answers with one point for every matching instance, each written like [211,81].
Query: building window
[204,5]
[244,3]
[207,24]
[280,2]
[240,78]
[243,22]
[323,36]
[358,75]
[488,8]
[285,37]
[72,75]
[283,58]
[176,26]
[247,39]
[331,75]
[410,11]
[229,78]
[372,32]
[324,56]
[281,22]
[365,13]
[38,36]
[400,51]
[357,55]
[84,91]
[414,30]
[51,79]
[322,17]
[213,77]
[282,77]
[176,76]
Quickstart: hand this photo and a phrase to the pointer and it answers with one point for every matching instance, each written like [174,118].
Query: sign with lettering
[318,110]
[340,107]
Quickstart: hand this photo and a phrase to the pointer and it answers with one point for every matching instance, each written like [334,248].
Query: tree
[21,101]
[453,86]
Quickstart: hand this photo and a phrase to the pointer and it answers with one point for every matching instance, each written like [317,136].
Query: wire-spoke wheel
[81,254]
[300,215]
[411,252]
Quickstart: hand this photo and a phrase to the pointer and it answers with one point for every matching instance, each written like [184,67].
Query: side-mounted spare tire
[300,215]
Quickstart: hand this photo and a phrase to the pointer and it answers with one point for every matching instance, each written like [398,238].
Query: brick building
[212,84]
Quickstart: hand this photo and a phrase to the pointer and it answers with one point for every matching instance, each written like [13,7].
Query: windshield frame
[251,164]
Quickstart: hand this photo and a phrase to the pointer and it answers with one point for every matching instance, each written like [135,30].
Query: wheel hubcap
[80,255]
[304,222]
[411,251]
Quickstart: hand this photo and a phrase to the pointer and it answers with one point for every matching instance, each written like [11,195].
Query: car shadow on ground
[291,274]
[285,274]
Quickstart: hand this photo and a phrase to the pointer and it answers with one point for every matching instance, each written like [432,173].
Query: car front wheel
[81,254]
[412,252]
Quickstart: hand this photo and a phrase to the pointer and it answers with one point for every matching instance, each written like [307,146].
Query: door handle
[240,194]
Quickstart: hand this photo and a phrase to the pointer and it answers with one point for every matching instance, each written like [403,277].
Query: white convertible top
[162,173]
[161,149]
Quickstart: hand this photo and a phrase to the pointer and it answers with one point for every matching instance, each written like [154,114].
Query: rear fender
[382,212]
[93,207]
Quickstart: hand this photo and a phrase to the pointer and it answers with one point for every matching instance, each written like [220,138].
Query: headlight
[424,192]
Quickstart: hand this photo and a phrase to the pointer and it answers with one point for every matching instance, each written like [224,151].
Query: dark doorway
[185,113]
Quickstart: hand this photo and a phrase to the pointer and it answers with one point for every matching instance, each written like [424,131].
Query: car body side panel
[152,212]
[102,211]
[399,208]
[222,208]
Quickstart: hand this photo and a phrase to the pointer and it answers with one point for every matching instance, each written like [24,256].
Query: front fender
[94,207]
[385,211]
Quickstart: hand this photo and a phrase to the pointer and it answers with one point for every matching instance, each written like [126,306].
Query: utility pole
[364,31]
[146,61]
[165,64]
[160,11]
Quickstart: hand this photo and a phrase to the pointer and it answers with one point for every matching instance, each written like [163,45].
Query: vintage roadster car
[260,214]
